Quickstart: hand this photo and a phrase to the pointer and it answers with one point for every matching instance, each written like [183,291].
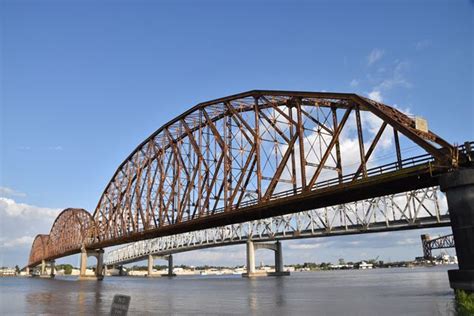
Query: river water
[397,291]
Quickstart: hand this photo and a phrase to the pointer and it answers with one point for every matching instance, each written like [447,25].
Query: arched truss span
[72,229]
[244,156]
[39,249]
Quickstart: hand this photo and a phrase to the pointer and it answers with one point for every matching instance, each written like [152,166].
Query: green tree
[66,267]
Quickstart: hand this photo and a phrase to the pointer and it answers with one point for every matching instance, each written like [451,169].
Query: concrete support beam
[250,257]
[43,272]
[276,247]
[459,188]
[170,266]
[151,259]
[53,267]
[43,267]
[99,273]
[83,264]
[278,258]
[150,266]
[99,255]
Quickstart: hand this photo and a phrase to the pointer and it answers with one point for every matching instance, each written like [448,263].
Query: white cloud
[397,78]
[16,242]
[11,208]
[422,44]
[375,55]
[19,223]
[376,95]
[354,83]
[8,192]
[408,241]
[55,148]
[305,246]
[389,79]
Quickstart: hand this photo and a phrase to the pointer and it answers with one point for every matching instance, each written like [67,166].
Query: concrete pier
[459,188]
[151,260]
[52,265]
[252,247]
[43,269]
[99,255]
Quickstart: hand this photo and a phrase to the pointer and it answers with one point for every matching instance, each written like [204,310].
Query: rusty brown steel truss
[254,155]
[70,231]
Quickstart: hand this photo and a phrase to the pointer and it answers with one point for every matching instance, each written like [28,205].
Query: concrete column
[43,267]
[459,188]
[278,257]
[250,257]
[150,265]
[52,266]
[99,273]
[83,265]
[170,265]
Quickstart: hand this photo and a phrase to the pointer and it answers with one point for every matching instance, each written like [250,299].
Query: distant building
[364,265]
[7,272]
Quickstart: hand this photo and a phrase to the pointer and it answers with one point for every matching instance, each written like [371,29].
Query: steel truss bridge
[410,210]
[276,155]
[429,244]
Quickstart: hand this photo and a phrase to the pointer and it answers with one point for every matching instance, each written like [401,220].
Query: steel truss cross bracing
[437,243]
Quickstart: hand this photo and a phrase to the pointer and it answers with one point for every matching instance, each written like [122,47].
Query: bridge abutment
[99,255]
[276,247]
[459,188]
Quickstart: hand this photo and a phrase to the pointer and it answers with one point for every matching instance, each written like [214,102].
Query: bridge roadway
[265,154]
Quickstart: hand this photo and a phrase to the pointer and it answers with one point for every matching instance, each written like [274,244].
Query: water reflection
[383,291]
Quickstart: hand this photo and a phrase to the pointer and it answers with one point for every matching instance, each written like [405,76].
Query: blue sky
[84,82]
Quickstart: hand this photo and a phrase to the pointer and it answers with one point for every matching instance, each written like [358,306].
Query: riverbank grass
[465,303]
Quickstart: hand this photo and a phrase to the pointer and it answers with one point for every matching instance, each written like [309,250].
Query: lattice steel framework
[415,209]
[252,148]
[257,155]
[437,243]
[72,229]
[39,249]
